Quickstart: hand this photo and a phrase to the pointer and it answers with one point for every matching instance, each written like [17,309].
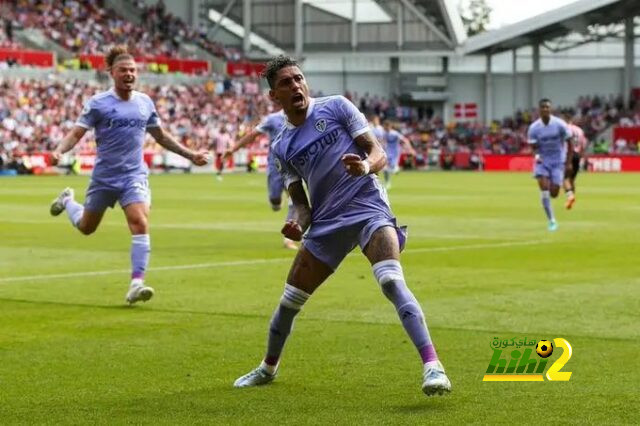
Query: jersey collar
[290,126]
[115,94]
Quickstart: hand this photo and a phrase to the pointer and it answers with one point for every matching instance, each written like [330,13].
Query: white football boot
[256,377]
[57,205]
[138,292]
[434,379]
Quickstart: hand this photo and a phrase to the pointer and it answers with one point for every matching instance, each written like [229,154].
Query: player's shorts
[331,249]
[275,185]
[131,190]
[555,172]
[575,165]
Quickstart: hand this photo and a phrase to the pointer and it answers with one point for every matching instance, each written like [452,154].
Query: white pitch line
[253,262]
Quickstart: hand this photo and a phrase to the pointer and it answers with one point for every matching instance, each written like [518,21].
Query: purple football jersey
[550,139]
[271,125]
[313,152]
[120,128]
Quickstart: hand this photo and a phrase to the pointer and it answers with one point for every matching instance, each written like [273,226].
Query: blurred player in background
[120,117]
[392,140]
[270,125]
[551,141]
[579,148]
[221,144]
[327,143]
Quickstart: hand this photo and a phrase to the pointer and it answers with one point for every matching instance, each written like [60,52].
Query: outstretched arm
[295,227]
[168,142]
[376,157]
[247,139]
[67,143]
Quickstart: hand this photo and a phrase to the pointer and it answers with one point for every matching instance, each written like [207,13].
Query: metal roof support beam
[413,9]
[535,75]
[514,67]
[246,20]
[298,17]
[629,53]
[400,25]
[354,26]
[488,91]
[224,14]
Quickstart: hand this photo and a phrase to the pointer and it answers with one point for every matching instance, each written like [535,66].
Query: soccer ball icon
[544,348]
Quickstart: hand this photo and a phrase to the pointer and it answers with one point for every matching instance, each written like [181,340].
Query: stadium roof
[574,17]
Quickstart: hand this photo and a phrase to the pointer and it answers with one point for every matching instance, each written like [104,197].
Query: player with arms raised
[120,116]
[551,141]
[327,143]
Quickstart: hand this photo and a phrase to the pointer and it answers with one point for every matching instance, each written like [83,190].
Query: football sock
[281,324]
[389,275]
[74,210]
[140,249]
[569,193]
[546,204]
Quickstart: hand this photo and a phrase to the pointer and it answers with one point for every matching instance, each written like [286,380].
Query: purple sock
[140,249]
[390,276]
[546,203]
[282,322]
[74,210]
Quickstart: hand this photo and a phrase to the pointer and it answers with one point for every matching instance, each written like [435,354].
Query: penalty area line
[252,262]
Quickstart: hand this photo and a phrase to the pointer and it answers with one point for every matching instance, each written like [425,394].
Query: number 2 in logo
[554,373]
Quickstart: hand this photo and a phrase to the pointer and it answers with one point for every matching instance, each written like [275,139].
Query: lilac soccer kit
[120,173]
[345,210]
[271,125]
[550,139]
[392,148]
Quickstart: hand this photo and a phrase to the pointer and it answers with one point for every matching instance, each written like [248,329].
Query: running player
[551,141]
[120,117]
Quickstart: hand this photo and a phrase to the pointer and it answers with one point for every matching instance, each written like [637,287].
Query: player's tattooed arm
[168,142]
[376,157]
[298,224]
[67,143]
[247,139]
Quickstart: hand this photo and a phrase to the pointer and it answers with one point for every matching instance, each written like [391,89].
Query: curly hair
[114,52]
[275,65]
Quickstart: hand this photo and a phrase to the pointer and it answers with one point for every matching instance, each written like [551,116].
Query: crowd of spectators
[36,114]
[88,27]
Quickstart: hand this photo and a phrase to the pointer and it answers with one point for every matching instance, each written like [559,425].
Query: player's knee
[389,275]
[86,229]
[293,297]
[139,225]
[555,190]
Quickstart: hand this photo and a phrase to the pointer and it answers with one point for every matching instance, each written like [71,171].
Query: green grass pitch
[479,259]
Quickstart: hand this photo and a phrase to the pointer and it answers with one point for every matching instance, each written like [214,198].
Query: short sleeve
[263,126]
[532,136]
[349,116]
[154,118]
[89,115]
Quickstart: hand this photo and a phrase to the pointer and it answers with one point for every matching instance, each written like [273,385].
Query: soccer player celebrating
[120,117]
[327,143]
[270,125]
[551,141]
[392,140]
[579,147]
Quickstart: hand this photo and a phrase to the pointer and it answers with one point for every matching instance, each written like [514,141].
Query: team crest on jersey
[278,164]
[86,109]
[321,125]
